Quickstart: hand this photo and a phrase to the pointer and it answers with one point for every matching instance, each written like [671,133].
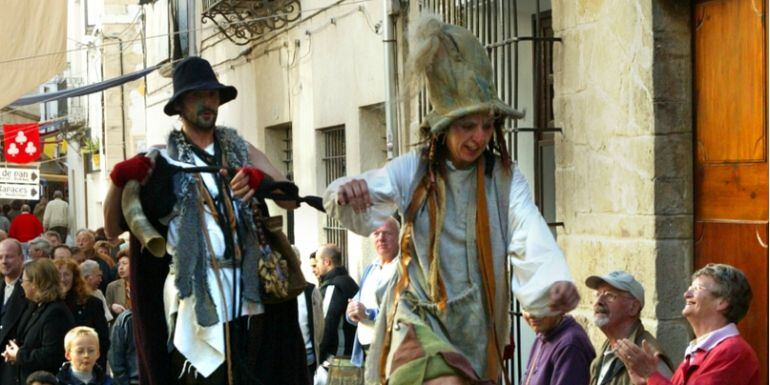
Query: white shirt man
[364,307]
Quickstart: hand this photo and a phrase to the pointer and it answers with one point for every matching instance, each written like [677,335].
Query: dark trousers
[266,349]
[311,373]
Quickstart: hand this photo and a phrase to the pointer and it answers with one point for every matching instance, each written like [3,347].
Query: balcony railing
[243,21]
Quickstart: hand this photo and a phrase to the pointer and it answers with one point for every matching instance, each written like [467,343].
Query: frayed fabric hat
[195,74]
[457,70]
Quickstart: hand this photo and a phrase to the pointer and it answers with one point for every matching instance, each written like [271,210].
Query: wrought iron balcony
[243,21]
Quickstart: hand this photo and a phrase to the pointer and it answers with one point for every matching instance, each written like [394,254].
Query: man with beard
[219,330]
[618,301]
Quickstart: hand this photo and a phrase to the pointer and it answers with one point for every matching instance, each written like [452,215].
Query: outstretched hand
[563,297]
[247,182]
[356,194]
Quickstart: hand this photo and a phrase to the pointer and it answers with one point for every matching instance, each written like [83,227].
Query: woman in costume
[468,218]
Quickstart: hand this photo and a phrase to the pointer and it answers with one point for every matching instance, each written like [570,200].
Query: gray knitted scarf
[192,260]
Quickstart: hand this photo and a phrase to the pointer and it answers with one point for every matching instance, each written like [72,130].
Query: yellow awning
[54,177]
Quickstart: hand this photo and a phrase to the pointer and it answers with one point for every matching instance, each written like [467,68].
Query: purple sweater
[560,357]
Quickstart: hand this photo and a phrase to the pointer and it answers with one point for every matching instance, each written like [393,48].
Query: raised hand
[563,296]
[356,194]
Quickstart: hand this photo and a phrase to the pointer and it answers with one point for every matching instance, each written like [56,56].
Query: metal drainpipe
[390,10]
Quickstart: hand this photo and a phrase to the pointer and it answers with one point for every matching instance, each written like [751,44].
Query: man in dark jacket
[13,303]
[336,289]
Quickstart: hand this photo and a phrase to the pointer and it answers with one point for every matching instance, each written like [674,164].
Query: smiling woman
[718,298]
[38,344]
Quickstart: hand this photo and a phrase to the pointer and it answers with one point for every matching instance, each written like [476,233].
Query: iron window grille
[335,167]
[288,167]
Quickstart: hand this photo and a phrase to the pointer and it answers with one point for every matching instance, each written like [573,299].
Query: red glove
[256,176]
[136,168]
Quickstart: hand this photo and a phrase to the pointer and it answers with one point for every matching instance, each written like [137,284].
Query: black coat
[41,338]
[344,288]
[10,315]
[91,314]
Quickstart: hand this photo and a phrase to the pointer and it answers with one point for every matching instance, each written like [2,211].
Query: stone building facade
[624,162]
[622,96]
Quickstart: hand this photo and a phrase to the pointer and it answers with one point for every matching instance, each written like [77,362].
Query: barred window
[334,167]
[288,169]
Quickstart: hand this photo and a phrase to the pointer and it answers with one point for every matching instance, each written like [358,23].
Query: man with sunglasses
[618,302]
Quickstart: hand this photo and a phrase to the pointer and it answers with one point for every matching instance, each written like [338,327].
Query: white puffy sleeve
[536,260]
[388,187]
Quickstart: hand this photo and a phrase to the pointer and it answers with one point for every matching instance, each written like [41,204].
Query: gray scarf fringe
[192,260]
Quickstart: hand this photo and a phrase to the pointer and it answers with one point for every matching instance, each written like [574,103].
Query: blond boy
[81,348]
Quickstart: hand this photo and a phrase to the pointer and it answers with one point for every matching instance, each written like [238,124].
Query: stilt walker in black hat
[198,315]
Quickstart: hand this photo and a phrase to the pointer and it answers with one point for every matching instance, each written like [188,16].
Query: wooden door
[731,174]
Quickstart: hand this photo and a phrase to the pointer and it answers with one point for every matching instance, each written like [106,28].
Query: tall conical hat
[457,70]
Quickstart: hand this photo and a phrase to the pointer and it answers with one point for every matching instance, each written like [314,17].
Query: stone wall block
[673,157]
[635,154]
[600,173]
[564,154]
[673,266]
[672,75]
[672,116]
[579,196]
[573,108]
[674,226]
[674,335]
[640,110]
[590,10]
[564,15]
[565,208]
[615,225]
[673,196]
[568,57]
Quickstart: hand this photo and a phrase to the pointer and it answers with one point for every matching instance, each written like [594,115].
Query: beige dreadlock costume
[446,312]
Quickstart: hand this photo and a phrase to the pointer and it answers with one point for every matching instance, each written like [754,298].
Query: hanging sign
[20,175]
[20,183]
[19,191]
[21,142]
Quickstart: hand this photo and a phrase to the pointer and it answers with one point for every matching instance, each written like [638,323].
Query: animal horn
[138,223]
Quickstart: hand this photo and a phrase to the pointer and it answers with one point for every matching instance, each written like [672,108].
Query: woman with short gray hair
[718,297]
[730,284]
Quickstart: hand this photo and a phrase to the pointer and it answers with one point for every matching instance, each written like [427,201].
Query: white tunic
[203,347]
[518,235]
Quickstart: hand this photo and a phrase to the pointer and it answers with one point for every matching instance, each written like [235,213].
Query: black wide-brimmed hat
[195,74]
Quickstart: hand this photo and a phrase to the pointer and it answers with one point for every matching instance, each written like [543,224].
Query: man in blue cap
[218,329]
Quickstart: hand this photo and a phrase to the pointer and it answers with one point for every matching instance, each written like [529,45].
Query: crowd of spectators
[65,315]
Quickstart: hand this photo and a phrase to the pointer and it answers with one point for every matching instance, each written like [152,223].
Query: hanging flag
[21,142]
